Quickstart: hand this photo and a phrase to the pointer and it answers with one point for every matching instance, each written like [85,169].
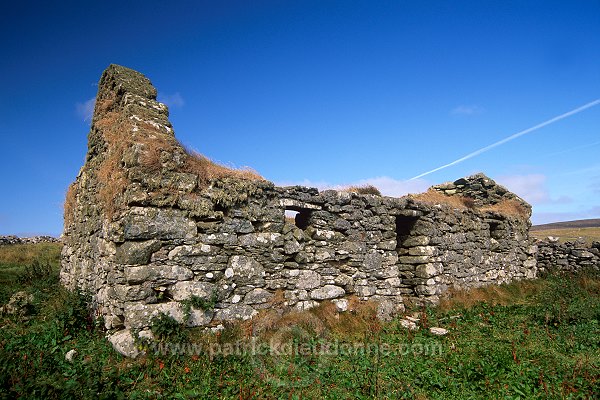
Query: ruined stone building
[149,227]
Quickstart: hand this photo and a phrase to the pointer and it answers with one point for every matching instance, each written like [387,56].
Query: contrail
[583,146]
[511,137]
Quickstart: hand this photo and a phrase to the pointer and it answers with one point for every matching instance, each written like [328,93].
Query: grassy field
[17,261]
[569,234]
[580,223]
[533,339]
[589,229]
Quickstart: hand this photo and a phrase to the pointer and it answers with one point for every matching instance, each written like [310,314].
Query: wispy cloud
[172,100]
[582,171]
[532,188]
[512,137]
[467,110]
[85,110]
[571,149]
[595,185]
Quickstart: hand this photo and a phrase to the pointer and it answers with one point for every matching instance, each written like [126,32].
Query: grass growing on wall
[434,197]
[533,339]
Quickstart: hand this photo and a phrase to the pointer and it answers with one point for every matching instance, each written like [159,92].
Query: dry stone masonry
[571,256]
[151,229]
[7,240]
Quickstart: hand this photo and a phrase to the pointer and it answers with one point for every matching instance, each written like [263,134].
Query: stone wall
[6,240]
[569,256]
[150,229]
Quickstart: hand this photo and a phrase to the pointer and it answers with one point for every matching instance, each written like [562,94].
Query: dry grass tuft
[158,151]
[435,197]
[208,170]
[113,183]
[469,202]
[156,147]
[128,142]
[279,327]
[150,158]
[506,207]
[159,147]
[366,189]
[107,121]
[492,294]
[105,105]
[110,173]
[509,207]
[278,299]
[358,322]
[70,204]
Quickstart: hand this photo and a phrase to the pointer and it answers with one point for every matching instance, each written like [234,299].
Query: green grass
[537,339]
[20,263]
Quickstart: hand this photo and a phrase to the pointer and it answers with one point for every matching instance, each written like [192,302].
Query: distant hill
[569,231]
[582,223]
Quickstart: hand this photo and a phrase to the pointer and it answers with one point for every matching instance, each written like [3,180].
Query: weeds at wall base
[536,339]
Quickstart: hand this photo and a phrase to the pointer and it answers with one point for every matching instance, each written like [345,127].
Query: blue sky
[323,93]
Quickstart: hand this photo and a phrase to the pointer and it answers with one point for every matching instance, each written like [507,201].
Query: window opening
[495,229]
[298,216]
[404,227]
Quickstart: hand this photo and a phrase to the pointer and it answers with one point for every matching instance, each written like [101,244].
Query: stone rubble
[481,189]
[19,304]
[438,331]
[408,324]
[70,355]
